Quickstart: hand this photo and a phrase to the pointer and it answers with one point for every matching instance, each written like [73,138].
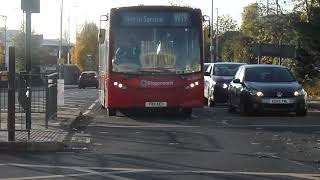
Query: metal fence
[43,92]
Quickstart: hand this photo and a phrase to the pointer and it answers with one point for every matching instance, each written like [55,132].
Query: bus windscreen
[156,43]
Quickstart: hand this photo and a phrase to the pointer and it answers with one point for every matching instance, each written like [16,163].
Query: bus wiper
[156,70]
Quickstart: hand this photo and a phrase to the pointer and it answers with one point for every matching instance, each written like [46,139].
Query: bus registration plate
[156,104]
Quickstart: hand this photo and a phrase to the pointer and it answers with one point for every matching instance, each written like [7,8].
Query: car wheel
[186,112]
[211,102]
[205,101]
[301,112]
[112,112]
[244,109]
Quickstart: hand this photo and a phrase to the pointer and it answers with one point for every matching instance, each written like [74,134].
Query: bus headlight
[119,85]
[192,85]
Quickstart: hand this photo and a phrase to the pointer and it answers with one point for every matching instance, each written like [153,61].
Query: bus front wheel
[186,112]
[112,112]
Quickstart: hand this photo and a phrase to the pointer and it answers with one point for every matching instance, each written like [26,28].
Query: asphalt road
[212,144]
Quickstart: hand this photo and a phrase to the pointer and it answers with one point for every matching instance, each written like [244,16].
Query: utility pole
[29,7]
[60,95]
[217,36]
[60,41]
[267,7]
[277,4]
[28,71]
[211,38]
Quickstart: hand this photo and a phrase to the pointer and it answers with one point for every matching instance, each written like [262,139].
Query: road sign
[32,6]
[274,50]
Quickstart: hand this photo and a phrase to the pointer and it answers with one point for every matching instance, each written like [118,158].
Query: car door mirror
[236,81]
[206,73]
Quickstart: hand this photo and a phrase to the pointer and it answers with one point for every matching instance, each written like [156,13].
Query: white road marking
[225,122]
[141,126]
[90,107]
[90,171]
[271,126]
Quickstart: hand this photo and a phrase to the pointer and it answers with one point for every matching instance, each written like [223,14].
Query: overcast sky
[79,11]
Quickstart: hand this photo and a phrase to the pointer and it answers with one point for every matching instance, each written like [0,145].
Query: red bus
[151,57]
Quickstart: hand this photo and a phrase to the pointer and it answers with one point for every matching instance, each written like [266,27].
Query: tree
[306,8]
[236,47]
[226,23]
[250,17]
[37,51]
[86,47]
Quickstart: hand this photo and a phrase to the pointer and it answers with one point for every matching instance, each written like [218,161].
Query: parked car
[88,79]
[266,88]
[217,79]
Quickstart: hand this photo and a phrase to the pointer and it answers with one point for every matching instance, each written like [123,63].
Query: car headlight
[214,83]
[225,86]
[254,92]
[300,92]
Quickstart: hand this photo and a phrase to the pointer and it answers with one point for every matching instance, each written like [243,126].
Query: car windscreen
[88,74]
[268,74]
[226,69]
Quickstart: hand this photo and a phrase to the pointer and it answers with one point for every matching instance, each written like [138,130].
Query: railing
[43,101]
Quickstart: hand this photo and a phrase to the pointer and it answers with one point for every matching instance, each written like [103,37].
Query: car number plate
[156,104]
[280,101]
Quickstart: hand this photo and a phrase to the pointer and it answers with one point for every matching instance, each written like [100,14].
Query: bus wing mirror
[102,36]
[236,81]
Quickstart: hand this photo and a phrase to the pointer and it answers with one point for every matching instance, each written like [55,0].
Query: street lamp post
[5,38]
[211,38]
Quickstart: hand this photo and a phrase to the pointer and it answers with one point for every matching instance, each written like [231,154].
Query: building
[52,47]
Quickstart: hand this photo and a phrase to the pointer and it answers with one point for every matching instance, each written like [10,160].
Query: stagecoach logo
[146,83]
[279,94]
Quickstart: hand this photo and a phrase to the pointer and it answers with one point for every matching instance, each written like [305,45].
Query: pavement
[60,135]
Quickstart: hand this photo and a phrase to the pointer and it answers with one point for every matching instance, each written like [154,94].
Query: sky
[77,12]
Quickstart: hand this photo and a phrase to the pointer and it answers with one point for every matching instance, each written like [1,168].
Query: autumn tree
[86,48]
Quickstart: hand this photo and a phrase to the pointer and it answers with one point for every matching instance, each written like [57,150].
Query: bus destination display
[156,19]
